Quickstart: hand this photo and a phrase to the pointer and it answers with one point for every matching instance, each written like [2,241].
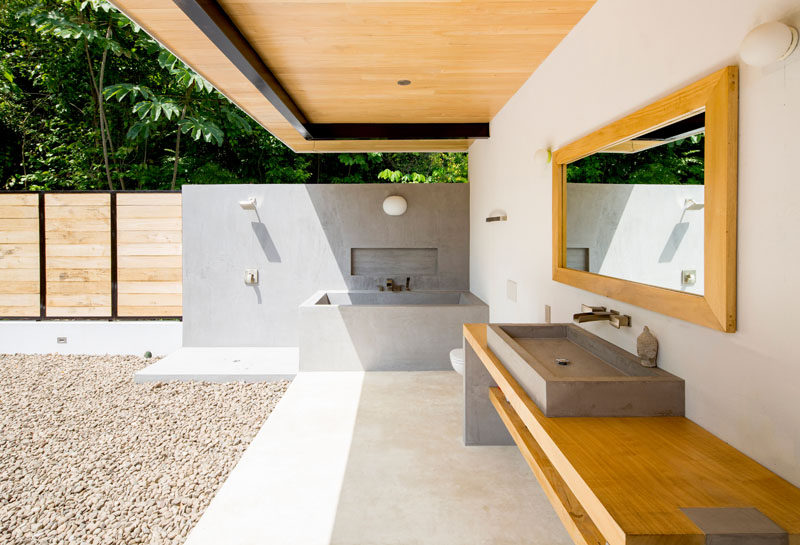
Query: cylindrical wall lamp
[395,205]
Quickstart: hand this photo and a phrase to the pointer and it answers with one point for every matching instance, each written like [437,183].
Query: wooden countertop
[632,475]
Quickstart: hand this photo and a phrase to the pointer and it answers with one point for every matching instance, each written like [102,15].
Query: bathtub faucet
[391,286]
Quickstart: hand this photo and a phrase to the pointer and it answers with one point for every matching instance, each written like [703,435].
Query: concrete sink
[568,371]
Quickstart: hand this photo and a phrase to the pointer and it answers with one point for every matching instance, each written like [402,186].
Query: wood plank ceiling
[340,62]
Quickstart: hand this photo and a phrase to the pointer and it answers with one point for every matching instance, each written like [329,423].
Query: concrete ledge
[223,364]
[92,337]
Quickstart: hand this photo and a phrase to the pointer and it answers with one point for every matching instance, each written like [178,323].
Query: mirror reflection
[635,210]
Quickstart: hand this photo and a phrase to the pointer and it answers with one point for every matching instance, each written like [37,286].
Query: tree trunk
[102,106]
[99,96]
[178,138]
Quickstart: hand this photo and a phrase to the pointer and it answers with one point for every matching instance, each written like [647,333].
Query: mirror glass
[635,209]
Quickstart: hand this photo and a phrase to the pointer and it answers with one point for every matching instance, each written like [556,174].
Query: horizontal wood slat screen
[85,275]
[149,254]
[19,255]
[78,258]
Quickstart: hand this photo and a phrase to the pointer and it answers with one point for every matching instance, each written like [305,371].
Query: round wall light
[395,205]
[542,156]
[768,43]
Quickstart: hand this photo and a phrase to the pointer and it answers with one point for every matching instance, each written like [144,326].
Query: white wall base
[90,337]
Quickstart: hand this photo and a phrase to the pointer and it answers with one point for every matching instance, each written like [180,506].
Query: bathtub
[385,331]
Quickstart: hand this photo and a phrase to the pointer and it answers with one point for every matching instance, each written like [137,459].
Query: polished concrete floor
[376,458]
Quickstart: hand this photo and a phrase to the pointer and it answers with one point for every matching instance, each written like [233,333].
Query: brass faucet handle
[588,308]
[619,320]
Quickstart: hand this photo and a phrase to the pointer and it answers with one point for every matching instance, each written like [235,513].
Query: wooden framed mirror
[644,209]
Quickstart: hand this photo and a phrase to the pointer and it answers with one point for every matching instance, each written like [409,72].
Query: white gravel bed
[87,456]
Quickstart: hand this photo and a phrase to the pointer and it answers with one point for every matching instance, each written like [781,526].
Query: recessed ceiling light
[404,82]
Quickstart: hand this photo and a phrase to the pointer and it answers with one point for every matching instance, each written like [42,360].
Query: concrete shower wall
[744,387]
[300,241]
[638,232]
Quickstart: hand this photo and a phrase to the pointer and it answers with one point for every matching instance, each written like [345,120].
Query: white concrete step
[223,364]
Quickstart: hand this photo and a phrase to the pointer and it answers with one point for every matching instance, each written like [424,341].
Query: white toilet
[457,360]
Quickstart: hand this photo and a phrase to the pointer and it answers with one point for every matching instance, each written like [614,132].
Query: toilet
[457,360]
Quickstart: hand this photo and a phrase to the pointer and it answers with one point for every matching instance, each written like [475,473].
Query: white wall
[90,337]
[638,232]
[744,387]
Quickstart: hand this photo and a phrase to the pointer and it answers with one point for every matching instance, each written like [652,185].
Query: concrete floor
[223,364]
[376,458]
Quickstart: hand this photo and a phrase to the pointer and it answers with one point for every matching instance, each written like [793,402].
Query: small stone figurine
[647,348]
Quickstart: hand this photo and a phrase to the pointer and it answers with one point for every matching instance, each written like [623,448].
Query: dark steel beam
[42,260]
[218,27]
[114,252]
[212,20]
[398,131]
[678,129]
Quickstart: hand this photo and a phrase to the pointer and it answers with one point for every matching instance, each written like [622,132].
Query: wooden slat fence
[19,255]
[95,255]
[149,254]
[78,254]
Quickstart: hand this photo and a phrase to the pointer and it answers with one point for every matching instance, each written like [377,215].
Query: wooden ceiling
[340,62]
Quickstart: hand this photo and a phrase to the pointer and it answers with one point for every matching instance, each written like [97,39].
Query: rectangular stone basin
[600,379]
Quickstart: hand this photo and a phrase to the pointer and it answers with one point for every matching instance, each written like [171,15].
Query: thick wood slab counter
[632,476]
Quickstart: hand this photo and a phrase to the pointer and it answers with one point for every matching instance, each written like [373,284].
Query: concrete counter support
[482,424]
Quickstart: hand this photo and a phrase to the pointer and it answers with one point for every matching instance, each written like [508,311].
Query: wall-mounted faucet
[594,314]
[392,286]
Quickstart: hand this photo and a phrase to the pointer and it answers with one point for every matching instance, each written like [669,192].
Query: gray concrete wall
[300,241]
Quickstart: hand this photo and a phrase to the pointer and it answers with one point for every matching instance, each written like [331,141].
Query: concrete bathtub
[385,331]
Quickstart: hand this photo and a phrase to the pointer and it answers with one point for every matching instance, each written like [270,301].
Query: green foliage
[89,101]
[679,162]
[437,168]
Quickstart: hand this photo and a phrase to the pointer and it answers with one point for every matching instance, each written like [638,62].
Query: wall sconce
[395,205]
[542,156]
[768,43]
[497,215]
[249,204]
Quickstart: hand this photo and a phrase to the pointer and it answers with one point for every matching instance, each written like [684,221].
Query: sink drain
[562,361]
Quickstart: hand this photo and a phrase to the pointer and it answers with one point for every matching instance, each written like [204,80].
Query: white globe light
[395,205]
[768,43]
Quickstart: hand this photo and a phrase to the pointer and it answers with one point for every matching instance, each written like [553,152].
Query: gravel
[89,457]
